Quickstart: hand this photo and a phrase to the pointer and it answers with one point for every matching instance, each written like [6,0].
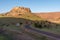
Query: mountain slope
[51,16]
[21,12]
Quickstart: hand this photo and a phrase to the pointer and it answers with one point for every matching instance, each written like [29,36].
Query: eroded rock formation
[16,11]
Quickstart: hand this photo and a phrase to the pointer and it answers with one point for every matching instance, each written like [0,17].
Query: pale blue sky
[34,5]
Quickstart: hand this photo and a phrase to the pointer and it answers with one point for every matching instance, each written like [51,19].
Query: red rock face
[21,10]
[16,11]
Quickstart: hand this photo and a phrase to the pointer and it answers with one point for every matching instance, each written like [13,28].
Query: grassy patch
[53,30]
[48,26]
[5,37]
[36,36]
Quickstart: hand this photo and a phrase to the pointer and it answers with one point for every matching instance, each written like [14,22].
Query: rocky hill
[21,12]
[16,11]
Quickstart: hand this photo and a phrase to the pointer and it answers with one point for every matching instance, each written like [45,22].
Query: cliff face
[16,11]
[21,10]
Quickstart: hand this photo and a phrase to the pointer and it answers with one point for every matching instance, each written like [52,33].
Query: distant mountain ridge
[51,16]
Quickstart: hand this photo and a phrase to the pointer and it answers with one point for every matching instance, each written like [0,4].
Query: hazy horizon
[34,5]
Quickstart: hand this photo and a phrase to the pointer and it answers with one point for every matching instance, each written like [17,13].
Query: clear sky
[34,5]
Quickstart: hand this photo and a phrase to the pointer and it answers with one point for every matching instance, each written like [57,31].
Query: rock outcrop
[16,11]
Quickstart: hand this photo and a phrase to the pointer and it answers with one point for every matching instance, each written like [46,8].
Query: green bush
[37,25]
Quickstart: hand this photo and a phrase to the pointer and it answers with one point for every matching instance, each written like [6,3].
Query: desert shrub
[21,23]
[37,25]
[43,24]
